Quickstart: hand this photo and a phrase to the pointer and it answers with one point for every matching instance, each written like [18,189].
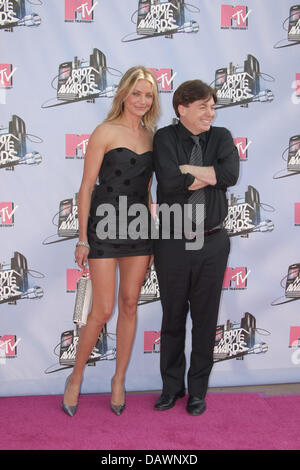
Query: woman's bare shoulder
[103,128]
[102,134]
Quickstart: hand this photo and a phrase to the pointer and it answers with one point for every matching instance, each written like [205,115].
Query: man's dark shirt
[172,147]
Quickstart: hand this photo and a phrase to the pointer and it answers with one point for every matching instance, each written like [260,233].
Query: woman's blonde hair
[125,87]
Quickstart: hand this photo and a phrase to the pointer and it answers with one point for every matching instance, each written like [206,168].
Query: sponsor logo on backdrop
[293,162]
[241,84]
[7,72]
[298,85]
[233,340]
[84,79]
[67,222]
[292,158]
[68,347]
[8,347]
[14,149]
[292,26]
[291,285]
[294,344]
[151,341]
[234,17]
[14,282]
[244,214]
[80,11]
[17,13]
[7,214]
[150,288]
[236,278]
[68,218]
[236,340]
[242,144]
[297,214]
[294,341]
[162,18]
[165,79]
[73,275]
[295,98]
[76,146]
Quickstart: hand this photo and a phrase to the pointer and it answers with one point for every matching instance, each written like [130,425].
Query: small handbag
[83,301]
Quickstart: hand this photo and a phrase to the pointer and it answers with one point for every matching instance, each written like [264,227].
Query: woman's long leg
[132,274]
[103,276]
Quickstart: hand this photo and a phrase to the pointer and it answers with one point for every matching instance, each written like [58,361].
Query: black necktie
[198,196]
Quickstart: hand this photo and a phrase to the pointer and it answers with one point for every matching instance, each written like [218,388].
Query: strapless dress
[111,223]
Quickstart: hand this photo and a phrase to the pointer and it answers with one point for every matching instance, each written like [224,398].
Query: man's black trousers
[189,280]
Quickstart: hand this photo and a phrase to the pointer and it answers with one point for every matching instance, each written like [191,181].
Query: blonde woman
[119,154]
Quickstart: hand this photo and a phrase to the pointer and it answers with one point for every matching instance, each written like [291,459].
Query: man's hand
[197,184]
[205,174]
[184,168]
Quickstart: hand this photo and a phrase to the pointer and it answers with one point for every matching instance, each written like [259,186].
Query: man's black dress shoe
[166,401]
[195,405]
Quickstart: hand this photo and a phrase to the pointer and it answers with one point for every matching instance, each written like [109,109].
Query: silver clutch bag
[83,301]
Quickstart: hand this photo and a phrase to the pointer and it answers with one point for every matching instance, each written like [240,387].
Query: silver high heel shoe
[70,410]
[118,409]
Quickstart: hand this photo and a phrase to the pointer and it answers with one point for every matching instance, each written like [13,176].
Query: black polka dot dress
[119,222]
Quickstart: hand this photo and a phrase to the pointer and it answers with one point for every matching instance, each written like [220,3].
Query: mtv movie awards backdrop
[60,64]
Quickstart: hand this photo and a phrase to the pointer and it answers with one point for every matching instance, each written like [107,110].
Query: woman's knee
[128,305]
[101,314]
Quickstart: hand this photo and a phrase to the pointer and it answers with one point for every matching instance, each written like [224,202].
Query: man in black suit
[193,162]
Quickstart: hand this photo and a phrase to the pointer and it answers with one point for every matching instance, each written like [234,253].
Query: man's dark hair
[190,91]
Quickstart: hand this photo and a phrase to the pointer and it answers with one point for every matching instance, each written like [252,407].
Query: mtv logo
[72,277]
[151,341]
[79,10]
[294,340]
[297,213]
[235,278]
[242,145]
[298,85]
[164,78]
[235,17]
[6,75]
[8,346]
[76,145]
[7,211]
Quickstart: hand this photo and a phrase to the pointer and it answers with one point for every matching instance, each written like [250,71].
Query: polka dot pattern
[122,173]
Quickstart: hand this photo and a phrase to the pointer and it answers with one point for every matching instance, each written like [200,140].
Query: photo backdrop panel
[60,64]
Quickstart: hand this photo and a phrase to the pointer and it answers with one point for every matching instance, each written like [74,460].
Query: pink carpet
[232,421]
